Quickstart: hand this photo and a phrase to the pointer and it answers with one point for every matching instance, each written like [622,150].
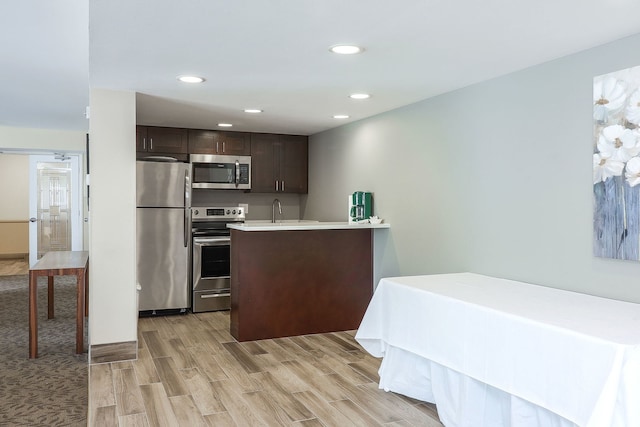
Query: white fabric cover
[553,354]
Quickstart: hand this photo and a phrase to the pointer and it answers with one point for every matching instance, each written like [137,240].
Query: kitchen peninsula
[296,278]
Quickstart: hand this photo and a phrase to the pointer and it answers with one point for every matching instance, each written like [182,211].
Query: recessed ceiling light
[225,125]
[341,116]
[346,49]
[191,79]
[359,96]
[252,110]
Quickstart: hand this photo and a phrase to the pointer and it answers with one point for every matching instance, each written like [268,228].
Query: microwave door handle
[237,173]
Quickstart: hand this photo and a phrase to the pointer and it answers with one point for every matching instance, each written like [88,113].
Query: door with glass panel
[54,205]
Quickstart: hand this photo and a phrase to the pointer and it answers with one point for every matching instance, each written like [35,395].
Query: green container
[361,206]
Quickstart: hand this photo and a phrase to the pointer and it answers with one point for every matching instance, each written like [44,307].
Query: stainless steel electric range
[211,253]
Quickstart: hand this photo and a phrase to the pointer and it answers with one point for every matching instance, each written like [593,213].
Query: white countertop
[301,225]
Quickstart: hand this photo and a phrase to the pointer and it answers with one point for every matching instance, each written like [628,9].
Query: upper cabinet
[151,140]
[219,142]
[279,163]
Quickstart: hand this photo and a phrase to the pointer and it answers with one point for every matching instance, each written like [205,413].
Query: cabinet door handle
[151,144]
[276,185]
[217,147]
[282,185]
[223,150]
[144,143]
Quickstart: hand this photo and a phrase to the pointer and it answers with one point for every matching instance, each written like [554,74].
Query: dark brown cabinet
[219,142]
[152,140]
[283,286]
[279,163]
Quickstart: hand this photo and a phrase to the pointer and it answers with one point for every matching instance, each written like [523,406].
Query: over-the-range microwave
[222,172]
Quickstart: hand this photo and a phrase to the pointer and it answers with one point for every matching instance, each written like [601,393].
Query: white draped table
[491,351]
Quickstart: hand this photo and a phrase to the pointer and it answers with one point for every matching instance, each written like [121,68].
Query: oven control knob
[228,211]
[239,211]
[196,212]
[233,211]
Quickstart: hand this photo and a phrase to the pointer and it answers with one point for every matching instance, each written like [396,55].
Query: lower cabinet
[286,283]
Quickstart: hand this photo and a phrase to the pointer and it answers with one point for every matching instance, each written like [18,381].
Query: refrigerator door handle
[187,208]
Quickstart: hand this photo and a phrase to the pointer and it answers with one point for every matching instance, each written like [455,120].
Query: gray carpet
[52,389]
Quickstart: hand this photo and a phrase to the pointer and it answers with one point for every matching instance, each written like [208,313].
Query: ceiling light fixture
[225,125]
[252,110]
[359,96]
[341,116]
[346,49]
[190,79]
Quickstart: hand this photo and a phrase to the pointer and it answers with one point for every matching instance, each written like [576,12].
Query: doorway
[55,214]
[58,216]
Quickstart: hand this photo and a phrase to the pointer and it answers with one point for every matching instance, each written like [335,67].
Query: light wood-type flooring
[191,372]
[11,267]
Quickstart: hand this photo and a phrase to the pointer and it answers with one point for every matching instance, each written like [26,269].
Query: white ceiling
[273,55]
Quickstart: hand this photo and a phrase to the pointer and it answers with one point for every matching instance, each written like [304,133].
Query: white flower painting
[616,164]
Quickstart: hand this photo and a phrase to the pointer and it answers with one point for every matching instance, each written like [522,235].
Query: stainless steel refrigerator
[163,234]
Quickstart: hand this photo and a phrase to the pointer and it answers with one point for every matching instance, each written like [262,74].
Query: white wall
[47,140]
[112,295]
[494,178]
[14,187]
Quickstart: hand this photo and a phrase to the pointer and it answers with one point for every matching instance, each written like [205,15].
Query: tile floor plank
[328,414]
[236,372]
[242,414]
[248,363]
[181,357]
[394,405]
[220,419]
[277,352]
[200,389]
[145,368]
[101,393]
[286,379]
[157,406]
[127,390]
[186,412]
[314,422]
[208,365]
[282,398]
[135,420]
[105,416]
[357,415]
[158,346]
[170,377]
[190,371]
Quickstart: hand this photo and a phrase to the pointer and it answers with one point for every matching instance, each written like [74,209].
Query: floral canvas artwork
[616,164]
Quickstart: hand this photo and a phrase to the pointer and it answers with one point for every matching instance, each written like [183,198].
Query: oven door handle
[211,241]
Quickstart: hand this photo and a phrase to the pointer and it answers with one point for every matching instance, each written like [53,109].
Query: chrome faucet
[273,209]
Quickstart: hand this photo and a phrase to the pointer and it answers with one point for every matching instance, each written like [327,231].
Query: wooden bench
[59,263]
